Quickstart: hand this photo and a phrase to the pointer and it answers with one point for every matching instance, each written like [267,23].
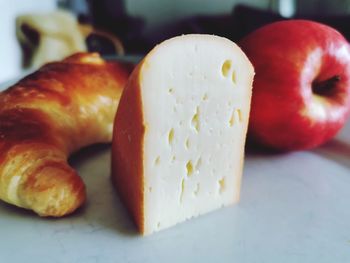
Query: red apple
[301,90]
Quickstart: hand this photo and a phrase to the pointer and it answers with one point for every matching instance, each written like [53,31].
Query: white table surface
[294,208]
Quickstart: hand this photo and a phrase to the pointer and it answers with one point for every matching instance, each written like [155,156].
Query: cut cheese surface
[180,130]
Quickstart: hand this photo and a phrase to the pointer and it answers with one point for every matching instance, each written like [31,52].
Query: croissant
[45,117]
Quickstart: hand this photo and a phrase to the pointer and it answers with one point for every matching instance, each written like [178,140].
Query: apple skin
[301,90]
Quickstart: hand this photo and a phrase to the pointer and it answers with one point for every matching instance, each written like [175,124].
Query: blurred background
[34,32]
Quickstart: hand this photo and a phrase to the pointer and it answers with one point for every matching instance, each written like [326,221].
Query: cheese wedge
[180,131]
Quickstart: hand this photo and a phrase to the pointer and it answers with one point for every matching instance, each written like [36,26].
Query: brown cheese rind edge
[127,149]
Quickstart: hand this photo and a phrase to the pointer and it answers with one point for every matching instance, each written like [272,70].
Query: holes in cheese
[221,185]
[171,136]
[187,143]
[182,189]
[236,116]
[233,77]
[239,114]
[189,168]
[232,119]
[205,97]
[194,121]
[157,160]
[226,67]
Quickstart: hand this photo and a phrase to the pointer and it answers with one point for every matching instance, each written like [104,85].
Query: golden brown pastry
[45,117]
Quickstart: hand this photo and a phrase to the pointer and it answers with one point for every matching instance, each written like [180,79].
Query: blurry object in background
[285,8]
[111,24]
[48,37]
[10,51]
[102,42]
[105,40]
[324,7]
[242,15]
[111,16]
[233,25]
[114,27]
[242,21]
[53,36]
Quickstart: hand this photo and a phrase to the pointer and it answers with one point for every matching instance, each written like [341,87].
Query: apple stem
[324,87]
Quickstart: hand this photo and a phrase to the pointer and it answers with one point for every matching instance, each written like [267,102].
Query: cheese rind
[180,131]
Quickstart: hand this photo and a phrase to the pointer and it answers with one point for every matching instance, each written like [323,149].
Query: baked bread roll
[45,117]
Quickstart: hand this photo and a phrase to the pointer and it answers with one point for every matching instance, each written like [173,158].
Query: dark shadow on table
[102,210]
[336,150]
[109,212]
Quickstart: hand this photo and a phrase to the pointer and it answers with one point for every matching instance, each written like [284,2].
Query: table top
[294,208]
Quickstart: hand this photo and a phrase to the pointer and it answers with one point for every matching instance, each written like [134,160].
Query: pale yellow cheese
[181,126]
